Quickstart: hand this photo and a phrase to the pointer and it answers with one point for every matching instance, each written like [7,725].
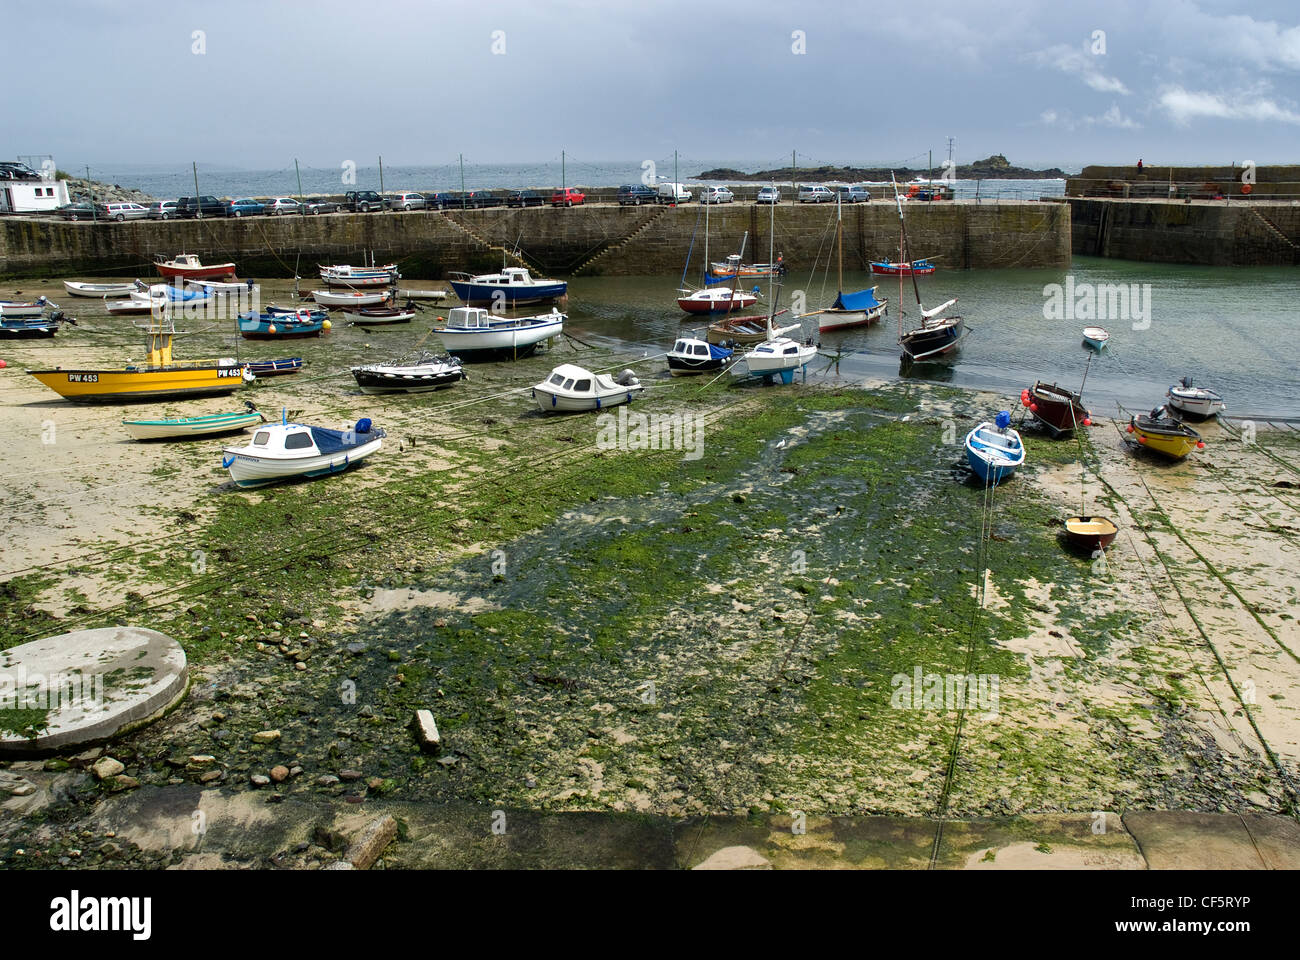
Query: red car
[567,197]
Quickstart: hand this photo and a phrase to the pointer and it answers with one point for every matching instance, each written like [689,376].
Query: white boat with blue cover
[994,451]
[512,287]
[283,451]
[473,330]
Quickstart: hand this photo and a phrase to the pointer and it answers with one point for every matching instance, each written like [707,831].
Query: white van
[673,193]
[814,193]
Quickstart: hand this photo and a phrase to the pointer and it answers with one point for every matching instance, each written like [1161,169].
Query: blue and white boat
[692,355]
[512,287]
[994,450]
[282,451]
[283,326]
[478,332]
[275,368]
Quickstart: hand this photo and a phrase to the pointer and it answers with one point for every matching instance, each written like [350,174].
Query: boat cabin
[472,318]
[777,348]
[572,379]
[509,277]
[691,348]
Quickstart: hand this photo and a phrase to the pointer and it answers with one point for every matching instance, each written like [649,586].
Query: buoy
[1087,422]
[3,364]
[1130,428]
[325,325]
[271,328]
[1033,408]
[1142,439]
[1024,400]
[1200,444]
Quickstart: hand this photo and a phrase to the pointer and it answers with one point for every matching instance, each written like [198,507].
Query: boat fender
[1130,428]
[597,402]
[1142,439]
[1200,444]
[553,402]
[227,461]
[1087,421]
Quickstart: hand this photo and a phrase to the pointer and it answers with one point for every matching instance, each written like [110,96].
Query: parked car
[81,210]
[362,201]
[673,193]
[567,197]
[162,210]
[406,201]
[716,195]
[853,194]
[208,206]
[122,211]
[436,201]
[635,194]
[525,198]
[814,193]
[313,205]
[278,206]
[768,195]
[472,200]
[244,207]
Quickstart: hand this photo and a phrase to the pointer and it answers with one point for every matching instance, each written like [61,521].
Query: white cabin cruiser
[473,330]
[570,388]
[1194,401]
[282,451]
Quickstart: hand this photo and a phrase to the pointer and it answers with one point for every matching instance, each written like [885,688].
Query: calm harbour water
[1230,329]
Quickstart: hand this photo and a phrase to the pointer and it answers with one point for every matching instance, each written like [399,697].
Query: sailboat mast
[771,274]
[901,227]
[839,240]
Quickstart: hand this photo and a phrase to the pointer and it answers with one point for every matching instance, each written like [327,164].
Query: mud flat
[653,640]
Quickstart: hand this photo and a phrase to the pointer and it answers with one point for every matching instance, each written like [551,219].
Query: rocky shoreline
[81,189]
[996,167]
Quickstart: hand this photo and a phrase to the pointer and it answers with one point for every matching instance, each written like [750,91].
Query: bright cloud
[1183,106]
[1079,63]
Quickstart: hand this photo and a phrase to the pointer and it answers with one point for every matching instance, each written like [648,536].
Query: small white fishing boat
[160,297]
[1196,402]
[418,374]
[1096,337]
[345,275]
[31,308]
[220,286]
[99,291]
[778,355]
[282,451]
[424,294]
[473,330]
[359,298]
[512,287]
[994,451]
[716,300]
[181,427]
[571,389]
[379,316]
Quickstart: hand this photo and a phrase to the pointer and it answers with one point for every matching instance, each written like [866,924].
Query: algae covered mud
[797,616]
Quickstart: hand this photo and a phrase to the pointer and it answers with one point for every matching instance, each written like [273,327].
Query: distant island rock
[996,167]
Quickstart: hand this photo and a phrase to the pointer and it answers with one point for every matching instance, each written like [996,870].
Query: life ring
[1247,187]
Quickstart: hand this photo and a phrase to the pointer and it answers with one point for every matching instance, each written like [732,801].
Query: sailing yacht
[855,309]
[937,335]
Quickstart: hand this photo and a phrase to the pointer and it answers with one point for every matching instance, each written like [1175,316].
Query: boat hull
[833,319]
[931,344]
[327,298]
[1199,408]
[247,470]
[1175,446]
[994,455]
[182,427]
[215,271]
[97,291]
[406,380]
[1090,533]
[519,341]
[379,318]
[727,305]
[900,269]
[487,294]
[275,368]
[685,366]
[27,331]
[116,386]
[551,402]
[1060,411]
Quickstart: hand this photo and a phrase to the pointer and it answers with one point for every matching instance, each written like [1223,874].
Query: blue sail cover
[862,300]
[712,281]
[719,353]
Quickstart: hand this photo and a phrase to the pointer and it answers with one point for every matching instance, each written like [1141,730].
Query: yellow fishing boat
[1164,434]
[158,377]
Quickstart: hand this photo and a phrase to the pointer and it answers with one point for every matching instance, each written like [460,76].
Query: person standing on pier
[1139,164]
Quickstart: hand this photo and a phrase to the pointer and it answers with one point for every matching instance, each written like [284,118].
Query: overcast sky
[128,83]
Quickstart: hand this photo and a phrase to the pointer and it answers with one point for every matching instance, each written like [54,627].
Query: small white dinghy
[331,298]
[282,451]
[1096,337]
[571,389]
[98,290]
[1196,402]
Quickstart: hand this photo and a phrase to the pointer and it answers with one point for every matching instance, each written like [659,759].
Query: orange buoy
[1142,439]
[1087,422]
[1246,187]
[1200,444]
[1130,428]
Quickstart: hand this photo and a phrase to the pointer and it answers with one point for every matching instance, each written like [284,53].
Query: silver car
[123,211]
[768,195]
[162,210]
[405,201]
[279,206]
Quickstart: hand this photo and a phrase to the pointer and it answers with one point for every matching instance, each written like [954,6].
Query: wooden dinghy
[1090,533]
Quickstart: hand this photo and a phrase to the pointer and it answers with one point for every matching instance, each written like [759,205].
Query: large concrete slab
[1186,840]
[87,686]
[1276,838]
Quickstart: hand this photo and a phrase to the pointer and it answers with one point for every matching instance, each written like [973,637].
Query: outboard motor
[363,425]
[1003,420]
[626,378]
[1187,383]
